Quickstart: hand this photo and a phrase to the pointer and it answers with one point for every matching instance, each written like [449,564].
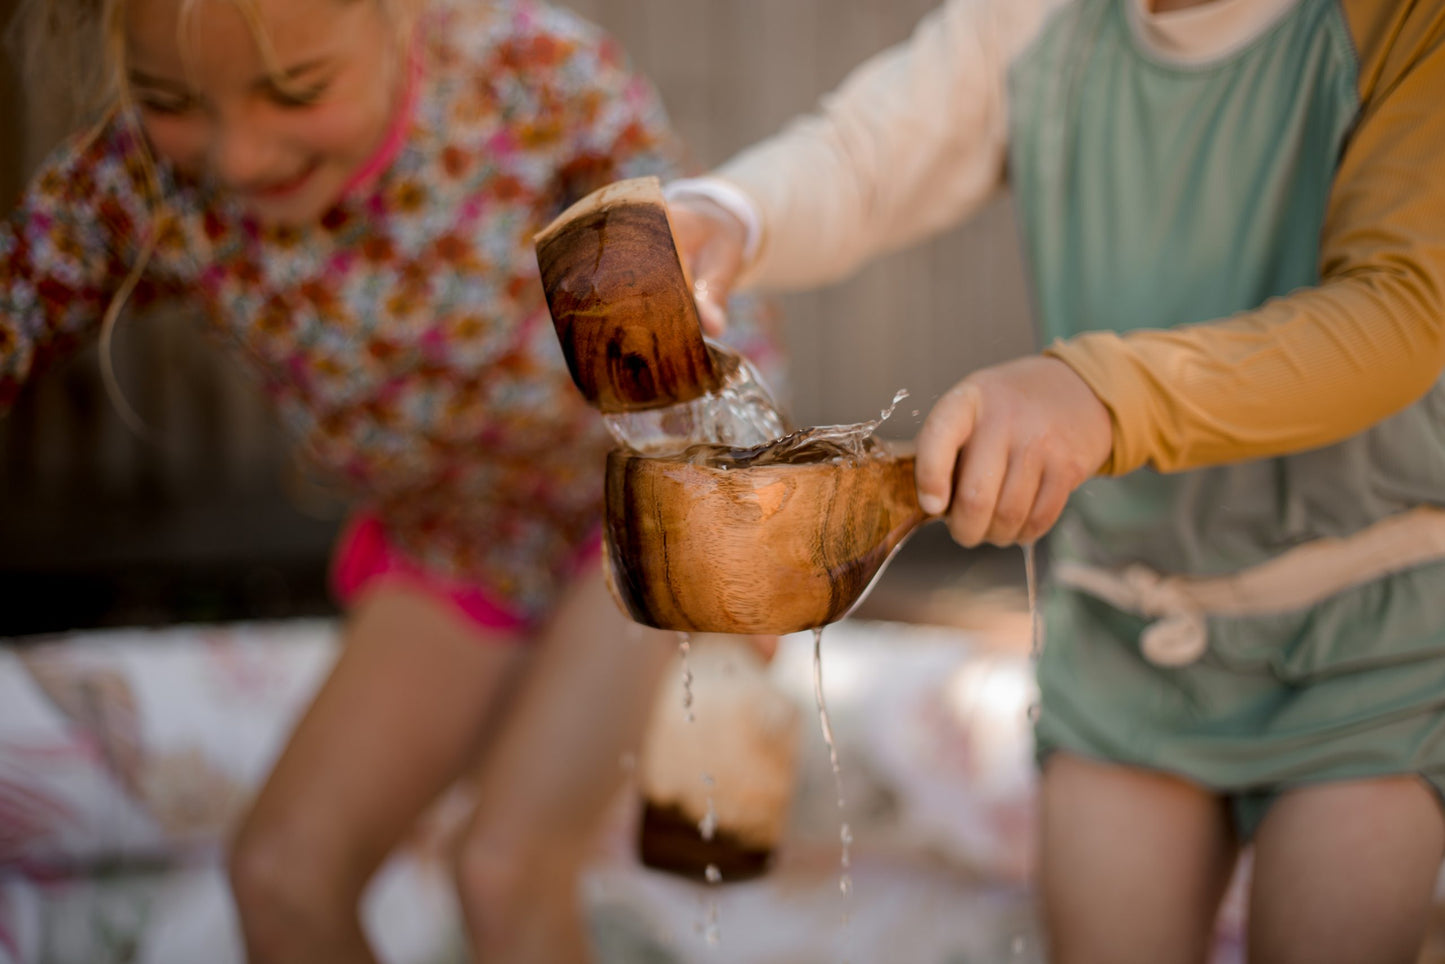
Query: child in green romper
[1234,213]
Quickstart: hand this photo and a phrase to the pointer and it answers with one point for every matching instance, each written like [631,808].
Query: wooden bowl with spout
[766,549]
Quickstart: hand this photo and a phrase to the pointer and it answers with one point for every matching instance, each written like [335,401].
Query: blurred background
[100,527]
[126,754]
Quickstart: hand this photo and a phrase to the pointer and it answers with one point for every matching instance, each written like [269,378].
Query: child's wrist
[731,199]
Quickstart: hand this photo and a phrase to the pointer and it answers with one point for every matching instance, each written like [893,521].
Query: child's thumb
[945,431]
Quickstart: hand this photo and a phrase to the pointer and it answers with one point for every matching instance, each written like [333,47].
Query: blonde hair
[55,42]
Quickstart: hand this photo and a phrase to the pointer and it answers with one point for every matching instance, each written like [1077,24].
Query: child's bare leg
[550,778]
[1133,864]
[395,723]
[1345,872]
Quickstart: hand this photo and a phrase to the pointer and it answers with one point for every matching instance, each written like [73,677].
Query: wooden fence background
[97,525]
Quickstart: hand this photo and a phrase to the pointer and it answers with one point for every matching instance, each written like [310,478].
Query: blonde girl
[349,188]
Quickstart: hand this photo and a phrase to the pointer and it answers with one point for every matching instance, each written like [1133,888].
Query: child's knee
[286,892]
[496,868]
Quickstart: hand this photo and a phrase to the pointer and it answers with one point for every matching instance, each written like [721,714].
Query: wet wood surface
[777,548]
[621,302]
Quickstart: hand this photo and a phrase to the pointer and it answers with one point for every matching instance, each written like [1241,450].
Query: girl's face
[284,135]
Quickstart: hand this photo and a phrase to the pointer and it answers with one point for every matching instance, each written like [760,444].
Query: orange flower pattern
[404,338]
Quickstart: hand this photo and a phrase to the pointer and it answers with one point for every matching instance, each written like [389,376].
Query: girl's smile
[279,190]
[277,102]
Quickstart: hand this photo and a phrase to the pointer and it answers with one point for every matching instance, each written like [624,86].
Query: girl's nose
[243,157]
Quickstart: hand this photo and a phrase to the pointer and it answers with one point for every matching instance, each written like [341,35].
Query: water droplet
[684,647]
[707,826]
[898,396]
[1036,624]
[710,931]
[845,834]
[714,876]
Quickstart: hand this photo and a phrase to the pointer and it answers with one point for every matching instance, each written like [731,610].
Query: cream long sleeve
[912,142]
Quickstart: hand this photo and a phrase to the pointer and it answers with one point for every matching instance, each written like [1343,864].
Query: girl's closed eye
[167,104]
[297,97]
[159,97]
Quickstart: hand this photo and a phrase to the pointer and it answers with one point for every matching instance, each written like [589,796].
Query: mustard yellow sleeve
[1324,363]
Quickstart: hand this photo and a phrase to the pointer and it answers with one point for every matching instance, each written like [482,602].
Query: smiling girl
[349,189]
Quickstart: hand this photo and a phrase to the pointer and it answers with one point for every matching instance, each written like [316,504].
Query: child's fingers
[1016,500]
[1053,494]
[945,430]
[980,483]
[715,272]
[711,307]
[710,242]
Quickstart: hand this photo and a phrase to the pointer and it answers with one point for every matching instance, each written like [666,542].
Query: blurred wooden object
[622,303]
[775,548]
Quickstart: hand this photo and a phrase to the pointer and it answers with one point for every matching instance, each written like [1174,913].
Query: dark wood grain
[776,548]
[621,302]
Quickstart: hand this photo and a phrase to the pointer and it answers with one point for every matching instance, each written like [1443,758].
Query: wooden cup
[622,303]
[770,549]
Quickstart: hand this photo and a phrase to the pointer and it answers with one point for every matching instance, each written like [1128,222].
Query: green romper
[1156,193]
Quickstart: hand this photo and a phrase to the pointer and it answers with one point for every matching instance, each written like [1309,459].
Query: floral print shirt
[404,339]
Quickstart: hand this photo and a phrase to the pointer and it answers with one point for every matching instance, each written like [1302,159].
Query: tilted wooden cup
[622,303]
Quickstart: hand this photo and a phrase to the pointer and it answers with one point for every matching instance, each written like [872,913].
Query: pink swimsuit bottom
[365,559]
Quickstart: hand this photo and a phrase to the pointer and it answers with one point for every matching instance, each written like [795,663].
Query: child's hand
[1023,435]
[710,241]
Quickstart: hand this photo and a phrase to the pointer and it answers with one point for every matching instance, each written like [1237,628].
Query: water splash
[711,931]
[840,444]
[1036,624]
[707,826]
[741,413]
[845,834]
